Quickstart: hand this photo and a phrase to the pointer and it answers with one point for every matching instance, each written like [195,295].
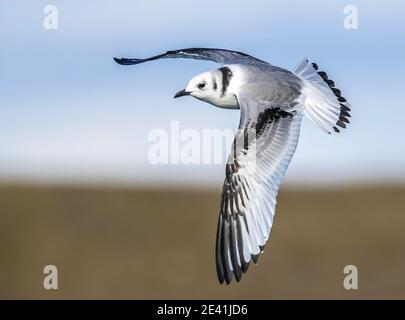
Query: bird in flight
[272,103]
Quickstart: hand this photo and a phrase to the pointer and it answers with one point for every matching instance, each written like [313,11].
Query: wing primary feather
[127,61]
[225,253]
[218,249]
[255,258]
[245,264]
[237,268]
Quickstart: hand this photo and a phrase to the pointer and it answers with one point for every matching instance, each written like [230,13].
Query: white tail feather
[323,102]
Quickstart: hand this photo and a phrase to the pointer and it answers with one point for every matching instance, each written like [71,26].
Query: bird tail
[324,103]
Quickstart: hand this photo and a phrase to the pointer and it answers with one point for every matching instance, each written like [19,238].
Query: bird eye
[201,85]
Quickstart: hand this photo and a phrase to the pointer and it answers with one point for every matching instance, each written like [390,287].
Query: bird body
[272,103]
[221,87]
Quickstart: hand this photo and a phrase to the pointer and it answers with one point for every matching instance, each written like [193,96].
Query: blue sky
[69,113]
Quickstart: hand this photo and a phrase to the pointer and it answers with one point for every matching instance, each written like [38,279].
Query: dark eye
[201,85]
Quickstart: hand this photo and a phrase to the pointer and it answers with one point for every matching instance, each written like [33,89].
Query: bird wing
[263,147]
[221,56]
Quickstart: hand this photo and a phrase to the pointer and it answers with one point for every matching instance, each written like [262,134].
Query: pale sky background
[69,113]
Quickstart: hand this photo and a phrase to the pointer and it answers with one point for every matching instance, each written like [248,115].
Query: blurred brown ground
[113,243]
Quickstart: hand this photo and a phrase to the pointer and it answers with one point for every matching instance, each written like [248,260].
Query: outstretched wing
[221,56]
[264,145]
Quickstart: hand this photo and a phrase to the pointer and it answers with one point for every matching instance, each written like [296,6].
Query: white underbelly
[227,102]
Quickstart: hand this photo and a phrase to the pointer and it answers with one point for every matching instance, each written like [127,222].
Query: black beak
[181,93]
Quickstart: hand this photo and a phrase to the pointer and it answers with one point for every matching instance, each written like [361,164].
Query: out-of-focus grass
[141,244]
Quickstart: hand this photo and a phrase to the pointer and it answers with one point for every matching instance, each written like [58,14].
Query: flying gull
[272,103]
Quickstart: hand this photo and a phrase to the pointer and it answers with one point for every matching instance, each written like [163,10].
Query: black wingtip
[125,61]
[255,258]
[121,61]
[118,60]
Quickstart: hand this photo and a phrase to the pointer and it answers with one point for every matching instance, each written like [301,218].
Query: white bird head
[210,87]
